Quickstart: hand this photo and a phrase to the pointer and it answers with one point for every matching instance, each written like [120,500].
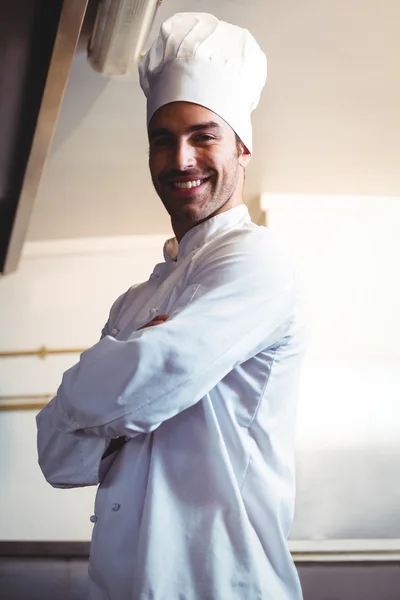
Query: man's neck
[181,228]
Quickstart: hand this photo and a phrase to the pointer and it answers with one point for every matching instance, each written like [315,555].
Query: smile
[187,185]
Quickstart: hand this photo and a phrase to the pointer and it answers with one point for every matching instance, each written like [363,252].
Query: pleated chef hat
[197,58]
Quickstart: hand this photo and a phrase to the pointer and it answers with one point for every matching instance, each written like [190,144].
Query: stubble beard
[190,213]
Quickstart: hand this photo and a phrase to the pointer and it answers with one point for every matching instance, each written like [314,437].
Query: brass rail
[42,352]
[35,401]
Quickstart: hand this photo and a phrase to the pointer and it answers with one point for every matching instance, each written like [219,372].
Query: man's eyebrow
[159,132]
[198,127]
[207,125]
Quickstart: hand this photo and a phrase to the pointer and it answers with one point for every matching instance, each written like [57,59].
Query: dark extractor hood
[38,39]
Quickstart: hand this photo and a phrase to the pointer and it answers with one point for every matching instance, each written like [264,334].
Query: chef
[184,411]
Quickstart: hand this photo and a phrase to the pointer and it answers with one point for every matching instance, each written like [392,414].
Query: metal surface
[65,578]
[27,33]
[42,352]
[53,549]
[31,548]
[24,401]
[120,31]
[71,19]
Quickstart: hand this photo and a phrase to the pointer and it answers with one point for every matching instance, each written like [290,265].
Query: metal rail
[32,401]
[42,352]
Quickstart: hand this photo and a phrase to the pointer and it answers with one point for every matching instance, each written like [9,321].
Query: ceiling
[328,121]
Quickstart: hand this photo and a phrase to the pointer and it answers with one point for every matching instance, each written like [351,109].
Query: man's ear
[244,155]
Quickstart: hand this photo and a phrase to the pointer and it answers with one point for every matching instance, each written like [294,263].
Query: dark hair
[239,143]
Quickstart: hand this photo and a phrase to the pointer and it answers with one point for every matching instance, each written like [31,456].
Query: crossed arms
[244,303]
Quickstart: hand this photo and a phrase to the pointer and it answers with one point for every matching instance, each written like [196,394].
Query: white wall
[59,297]
[348,443]
[347,250]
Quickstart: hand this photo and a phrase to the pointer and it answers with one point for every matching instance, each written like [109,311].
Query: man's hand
[156,321]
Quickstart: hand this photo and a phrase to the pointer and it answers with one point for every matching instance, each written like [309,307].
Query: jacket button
[115,506]
[93,519]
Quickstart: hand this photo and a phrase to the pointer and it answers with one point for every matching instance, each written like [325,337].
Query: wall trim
[357,551]
[377,550]
[94,246]
[321,203]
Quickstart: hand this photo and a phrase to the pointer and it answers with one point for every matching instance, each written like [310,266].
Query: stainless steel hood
[38,39]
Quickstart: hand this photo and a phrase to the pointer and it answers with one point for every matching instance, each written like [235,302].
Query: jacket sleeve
[240,299]
[69,459]
[72,459]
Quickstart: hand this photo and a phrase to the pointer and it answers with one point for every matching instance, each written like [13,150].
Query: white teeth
[186,185]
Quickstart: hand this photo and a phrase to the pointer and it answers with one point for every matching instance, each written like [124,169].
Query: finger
[158,320]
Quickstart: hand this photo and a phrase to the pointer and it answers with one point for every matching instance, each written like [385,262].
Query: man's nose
[185,156]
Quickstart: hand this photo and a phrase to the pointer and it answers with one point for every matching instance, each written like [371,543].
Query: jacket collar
[203,233]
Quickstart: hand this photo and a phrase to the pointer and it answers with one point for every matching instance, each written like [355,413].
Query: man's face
[196,163]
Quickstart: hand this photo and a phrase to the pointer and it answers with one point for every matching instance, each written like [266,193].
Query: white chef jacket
[198,503]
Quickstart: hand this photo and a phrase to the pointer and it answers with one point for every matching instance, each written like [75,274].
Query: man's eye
[161,142]
[204,137]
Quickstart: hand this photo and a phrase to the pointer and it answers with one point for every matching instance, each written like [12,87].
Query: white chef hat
[197,58]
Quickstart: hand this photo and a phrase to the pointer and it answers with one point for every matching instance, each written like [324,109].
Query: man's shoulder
[249,239]
[250,254]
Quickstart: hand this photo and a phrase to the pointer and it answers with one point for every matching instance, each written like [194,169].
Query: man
[184,411]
